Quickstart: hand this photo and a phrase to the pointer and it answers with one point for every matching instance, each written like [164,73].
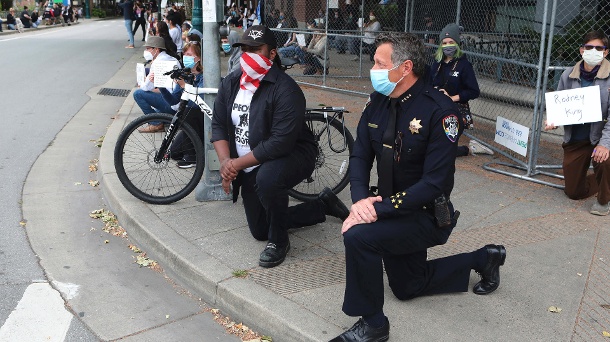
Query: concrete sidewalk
[558,255]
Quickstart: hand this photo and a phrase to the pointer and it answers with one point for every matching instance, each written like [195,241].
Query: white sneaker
[476,147]
[600,209]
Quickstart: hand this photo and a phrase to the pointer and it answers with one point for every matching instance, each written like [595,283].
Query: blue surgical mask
[189,61]
[226,47]
[381,81]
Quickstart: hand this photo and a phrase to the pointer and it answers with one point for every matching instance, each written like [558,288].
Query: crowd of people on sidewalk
[410,128]
[52,14]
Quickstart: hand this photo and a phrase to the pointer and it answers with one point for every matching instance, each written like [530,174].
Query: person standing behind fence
[453,75]
[127,7]
[589,141]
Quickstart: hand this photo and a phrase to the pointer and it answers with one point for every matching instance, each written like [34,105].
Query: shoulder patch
[451,125]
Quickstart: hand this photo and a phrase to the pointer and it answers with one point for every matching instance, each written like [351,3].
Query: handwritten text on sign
[512,135]
[573,106]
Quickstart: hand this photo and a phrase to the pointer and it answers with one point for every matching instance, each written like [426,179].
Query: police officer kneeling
[411,130]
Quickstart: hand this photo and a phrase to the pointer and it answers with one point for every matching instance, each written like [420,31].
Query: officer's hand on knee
[364,210]
[349,222]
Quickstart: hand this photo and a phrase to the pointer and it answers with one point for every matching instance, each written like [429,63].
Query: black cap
[257,35]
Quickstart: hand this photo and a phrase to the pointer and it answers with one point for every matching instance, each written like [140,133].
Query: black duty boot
[362,332]
[490,275]
[332,204]
[273,255]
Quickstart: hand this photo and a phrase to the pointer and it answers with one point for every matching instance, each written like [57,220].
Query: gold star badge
[414,126]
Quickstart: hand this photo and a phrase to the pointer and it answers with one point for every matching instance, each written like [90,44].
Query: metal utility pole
[210,188]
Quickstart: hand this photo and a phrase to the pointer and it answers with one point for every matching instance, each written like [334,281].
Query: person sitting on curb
[265,147]
[26,20]
[192,60]
[11,23]
[411,131]
[148,98]
[583,143]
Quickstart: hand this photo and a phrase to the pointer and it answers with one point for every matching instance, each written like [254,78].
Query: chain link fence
[518,49]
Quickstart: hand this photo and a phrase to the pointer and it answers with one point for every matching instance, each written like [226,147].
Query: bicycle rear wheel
[161,182]
[332,167]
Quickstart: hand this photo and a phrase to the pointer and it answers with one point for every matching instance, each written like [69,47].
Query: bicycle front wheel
[163,181]
[335,144]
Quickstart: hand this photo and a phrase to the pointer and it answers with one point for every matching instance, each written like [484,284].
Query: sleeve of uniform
[219,116]
[361,162]
[288,117]
[469,85]
[439,166]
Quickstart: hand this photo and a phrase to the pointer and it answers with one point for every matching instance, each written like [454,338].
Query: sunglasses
[596,47]
[398,146]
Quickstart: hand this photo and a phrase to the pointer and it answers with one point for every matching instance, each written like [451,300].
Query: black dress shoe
[332,204]
[490,275]
[273,255]
[362,332]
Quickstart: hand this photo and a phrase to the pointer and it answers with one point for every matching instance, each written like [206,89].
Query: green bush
[97,12]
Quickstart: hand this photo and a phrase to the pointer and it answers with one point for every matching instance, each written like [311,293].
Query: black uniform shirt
[429,123]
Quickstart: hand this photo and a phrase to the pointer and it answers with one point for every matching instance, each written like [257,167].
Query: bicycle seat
[288,62]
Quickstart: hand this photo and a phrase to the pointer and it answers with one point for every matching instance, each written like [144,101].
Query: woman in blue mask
[453,75]
[191,59]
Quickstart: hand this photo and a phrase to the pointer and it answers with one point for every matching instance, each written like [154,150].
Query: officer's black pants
[264,191]
[401,243]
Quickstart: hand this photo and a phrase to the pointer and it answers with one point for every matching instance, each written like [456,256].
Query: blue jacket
[427,162]
[456,77]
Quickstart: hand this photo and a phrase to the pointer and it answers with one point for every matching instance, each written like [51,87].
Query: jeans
[151,102]
[11,26]
[292,51]
[128,26]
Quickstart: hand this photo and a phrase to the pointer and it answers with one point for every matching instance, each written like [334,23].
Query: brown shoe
[129,47]
[152,129]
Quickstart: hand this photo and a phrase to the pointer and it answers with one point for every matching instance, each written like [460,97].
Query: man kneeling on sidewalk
[411,130]
[264,146]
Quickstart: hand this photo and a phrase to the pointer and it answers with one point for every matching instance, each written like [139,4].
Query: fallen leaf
[106,241]
[605,334]
[214,311]
[92,167]
[77,183]
[23,223]
[166,316]
[94,183]
[579,274]
[554,309]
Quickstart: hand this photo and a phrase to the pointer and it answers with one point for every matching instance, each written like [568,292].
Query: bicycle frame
[338,114]
[191,93]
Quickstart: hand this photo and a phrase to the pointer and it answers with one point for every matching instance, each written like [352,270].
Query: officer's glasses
[398,146]
[596,47]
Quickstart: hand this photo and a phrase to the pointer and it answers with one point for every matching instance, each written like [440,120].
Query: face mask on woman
[188,61]
[450,50]
[380,78]
[593,57]
[148,55]
[371,17]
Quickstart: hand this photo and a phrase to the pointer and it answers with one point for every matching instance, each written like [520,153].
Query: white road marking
[40,315]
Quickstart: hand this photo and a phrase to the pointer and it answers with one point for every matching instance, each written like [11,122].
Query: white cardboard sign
[140,73]
[573,106]
[159,68]
[512,135]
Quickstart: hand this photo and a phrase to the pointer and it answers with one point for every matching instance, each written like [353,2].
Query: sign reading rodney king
[573,106]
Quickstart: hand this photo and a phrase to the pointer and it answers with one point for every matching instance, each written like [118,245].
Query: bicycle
[143,161]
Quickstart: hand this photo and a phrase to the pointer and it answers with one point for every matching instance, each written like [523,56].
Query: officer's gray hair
[405,46]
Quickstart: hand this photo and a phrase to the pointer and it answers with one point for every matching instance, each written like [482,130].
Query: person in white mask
[149,98]
[583,143]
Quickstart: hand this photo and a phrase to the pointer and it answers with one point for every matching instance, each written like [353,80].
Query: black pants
[140,22]
[183,146]
[265,194]
[401,244]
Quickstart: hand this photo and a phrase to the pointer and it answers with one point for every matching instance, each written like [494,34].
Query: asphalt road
[62,278]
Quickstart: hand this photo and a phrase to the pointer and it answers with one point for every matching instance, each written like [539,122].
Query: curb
[242,299]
